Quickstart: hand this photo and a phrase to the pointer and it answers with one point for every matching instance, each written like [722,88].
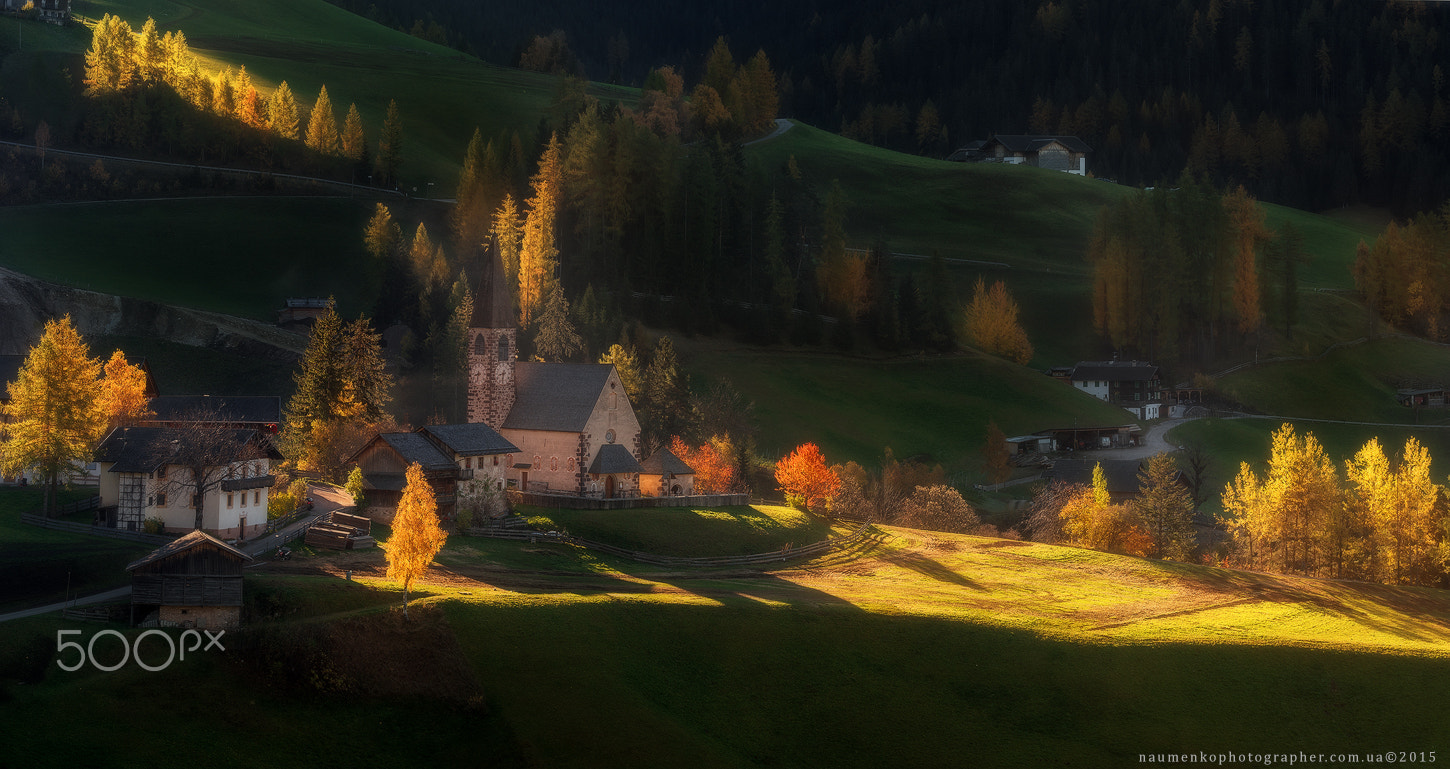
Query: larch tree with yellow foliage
[417,537]
[992,325]
[123,392]
[54,417]
[322,125]
[1279,520]
[1090,519]
[1249,235]
[539,255]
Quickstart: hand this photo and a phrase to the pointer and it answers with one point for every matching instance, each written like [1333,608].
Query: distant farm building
[53,11]
[1131,384]
[195,581]
[1056,153]
[301,312]
[1430,397]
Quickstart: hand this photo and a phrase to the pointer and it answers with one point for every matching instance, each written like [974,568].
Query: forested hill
[1313,104]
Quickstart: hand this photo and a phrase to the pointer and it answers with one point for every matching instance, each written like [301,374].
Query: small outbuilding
[194,582]
[666,475]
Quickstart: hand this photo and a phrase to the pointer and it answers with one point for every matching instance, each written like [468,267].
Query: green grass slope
[917,650]
[853,408]
[39,566]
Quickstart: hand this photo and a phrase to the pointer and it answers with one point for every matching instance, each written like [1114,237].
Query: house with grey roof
[573,424]
[1057,153]
[1133,385]
[145,472]
[256,412]
[482,457]
[384,462]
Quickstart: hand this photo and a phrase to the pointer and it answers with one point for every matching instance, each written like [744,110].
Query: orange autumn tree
[123,392]
[714,472]
[806,480]
[991,323]
[417,537]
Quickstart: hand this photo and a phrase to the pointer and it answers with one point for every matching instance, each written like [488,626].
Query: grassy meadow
[855,407]
[915,648]
[39,566]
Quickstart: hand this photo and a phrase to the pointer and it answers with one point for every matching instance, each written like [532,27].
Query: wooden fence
[99,531]
[756,559]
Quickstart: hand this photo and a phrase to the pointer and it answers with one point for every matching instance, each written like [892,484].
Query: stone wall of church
[491,375]
[549,453]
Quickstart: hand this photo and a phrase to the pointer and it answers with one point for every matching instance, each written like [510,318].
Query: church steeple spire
[494,342]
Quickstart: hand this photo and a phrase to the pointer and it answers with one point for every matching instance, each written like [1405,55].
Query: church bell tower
[493,344]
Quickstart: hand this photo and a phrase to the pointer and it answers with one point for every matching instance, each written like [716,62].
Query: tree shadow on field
[928,568]
[1408,612]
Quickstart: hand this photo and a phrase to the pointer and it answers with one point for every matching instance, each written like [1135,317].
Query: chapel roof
[558,397]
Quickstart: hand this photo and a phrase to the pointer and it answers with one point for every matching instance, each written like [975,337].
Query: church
[573,424]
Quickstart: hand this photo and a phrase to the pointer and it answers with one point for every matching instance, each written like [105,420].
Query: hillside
[921,649]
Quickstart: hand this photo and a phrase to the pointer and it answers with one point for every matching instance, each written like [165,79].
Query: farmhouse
[384,461]
[1134,385]
[573,424]
[53,11]
[195,582]
[1058,153]
[143,476]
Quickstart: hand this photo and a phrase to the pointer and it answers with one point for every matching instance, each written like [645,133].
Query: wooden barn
[195,581]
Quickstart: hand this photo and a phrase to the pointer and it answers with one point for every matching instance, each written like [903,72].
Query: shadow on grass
[1411,613]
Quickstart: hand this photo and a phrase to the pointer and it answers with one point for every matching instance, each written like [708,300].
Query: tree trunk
[405,602]
[197,502]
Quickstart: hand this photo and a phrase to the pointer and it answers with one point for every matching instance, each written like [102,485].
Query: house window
[229,501]
[538,463]
[480,346]
[468,463]
[161,473]
[244,499]
[508,460]
[613,401]
[609,437]
[573,464]
[503,347]
[553,463]
[256,497]
[495,460]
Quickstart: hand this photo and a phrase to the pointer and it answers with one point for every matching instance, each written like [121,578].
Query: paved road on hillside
[781,126]
[1154,442]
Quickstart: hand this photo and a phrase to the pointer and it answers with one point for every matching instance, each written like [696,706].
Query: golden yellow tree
[1246,220]
[123,392]
[1412,526]
[322,125]
[992,326]
[539,256]
[54,417]
[1280,520]
[1090,519]
[1354,533]
[417,537]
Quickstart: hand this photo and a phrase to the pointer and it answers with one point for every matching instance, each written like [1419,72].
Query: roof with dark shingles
[249,409]
[665,461]
[613,458]
[143,449]
[1114,371]
[469,440]
[1035,142]
[559,397]
[413,447]
[184,543]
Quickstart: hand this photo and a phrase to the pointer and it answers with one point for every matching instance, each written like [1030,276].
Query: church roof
[558,397]
[493,302]
[469,440]
[613,458]
[665,461]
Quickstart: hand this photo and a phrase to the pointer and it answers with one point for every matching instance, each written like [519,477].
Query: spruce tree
[390,146]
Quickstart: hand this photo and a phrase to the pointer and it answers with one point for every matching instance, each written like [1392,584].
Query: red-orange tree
[714,472]
[803,475]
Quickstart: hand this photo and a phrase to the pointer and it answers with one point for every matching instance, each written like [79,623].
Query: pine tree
[54,415]
[1165,509]
[282,112]
[470,217]
[417,537]
[557,340]
[390,146]
[322,126]
[666,396]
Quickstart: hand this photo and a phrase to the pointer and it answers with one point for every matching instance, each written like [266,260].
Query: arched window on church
[479,345]
[503,347]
